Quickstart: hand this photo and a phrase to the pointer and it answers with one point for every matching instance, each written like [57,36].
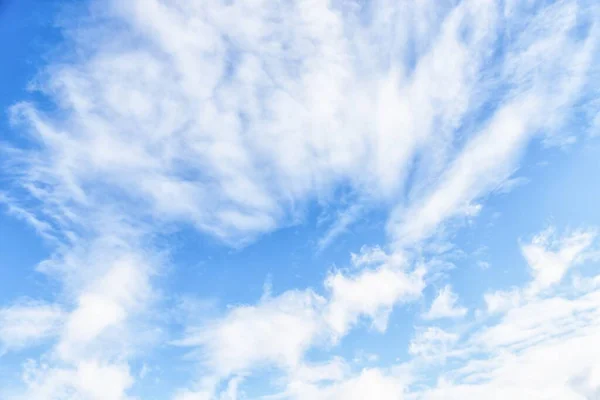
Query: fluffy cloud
[445,305]
[550,258]
[372,293]
[103,307]
[95,333]
[278,331]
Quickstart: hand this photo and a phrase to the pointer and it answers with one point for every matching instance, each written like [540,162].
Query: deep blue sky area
[27,33]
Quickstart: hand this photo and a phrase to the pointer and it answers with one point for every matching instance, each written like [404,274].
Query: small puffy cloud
[372,293]
[550,257]
[483,264]
[445,305]
[500,300]
[369,256]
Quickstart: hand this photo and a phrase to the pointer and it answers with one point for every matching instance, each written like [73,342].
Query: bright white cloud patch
[372,293]
[550,258]
[234,119]
[278,331]
[445,305]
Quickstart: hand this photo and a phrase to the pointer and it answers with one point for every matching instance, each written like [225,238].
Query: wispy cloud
[340,225]
[28,322]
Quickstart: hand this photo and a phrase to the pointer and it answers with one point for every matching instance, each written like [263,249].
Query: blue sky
[299,200]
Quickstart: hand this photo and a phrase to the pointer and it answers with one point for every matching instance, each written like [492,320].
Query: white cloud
[369,256]
[445,305]
[278,331]
[341,224]
[334,370]
[532,346]
[230,116]
[550,258]
[494,152]
[104,306]
[373,293]
[432,343]
[370,383]
[541,345]
[538,318]
[43,228]
[93,335]
[489,158]
[500,300]
[542,349]
[275,331]
[87,380]
[27,323]
[483,264]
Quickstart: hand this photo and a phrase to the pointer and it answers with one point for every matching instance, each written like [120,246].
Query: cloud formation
[28,322]
[278,331]
[233,117]
[445,305]
[541,347]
